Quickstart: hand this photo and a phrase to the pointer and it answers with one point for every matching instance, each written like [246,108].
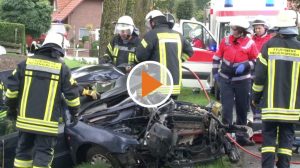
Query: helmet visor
[123,29]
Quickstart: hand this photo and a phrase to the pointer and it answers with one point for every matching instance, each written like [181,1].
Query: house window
[83,32]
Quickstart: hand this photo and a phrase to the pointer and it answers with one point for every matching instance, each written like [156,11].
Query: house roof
[64,8]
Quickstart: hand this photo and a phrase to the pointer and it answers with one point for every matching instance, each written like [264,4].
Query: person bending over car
[34,94]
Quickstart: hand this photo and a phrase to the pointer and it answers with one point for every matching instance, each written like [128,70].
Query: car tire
[97,154]
[216,91]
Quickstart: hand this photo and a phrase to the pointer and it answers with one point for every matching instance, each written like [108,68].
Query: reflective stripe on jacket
[121,52]
[277,80]
[233,52]
[38,84]
[167,47]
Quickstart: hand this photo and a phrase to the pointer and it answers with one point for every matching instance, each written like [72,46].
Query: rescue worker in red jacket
[123,45]
[276,87]
[260,37]
[232,65]
[35,88]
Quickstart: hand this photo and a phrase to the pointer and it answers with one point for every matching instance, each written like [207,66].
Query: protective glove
[216,77]
[92,93]
[12,114]
[240,69]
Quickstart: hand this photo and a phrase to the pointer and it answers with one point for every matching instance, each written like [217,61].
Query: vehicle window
[224,30]
[198,36]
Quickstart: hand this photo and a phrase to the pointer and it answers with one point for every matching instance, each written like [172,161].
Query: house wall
[88,12]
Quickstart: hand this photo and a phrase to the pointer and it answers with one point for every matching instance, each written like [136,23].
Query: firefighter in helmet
[34,96]
[160,43]
[123,45]
[232,64]
[276,85]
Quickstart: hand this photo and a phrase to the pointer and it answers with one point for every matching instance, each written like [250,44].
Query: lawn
[188,95]
[73,63]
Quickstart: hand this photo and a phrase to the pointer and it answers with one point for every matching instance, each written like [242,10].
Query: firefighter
[34,96]
[164,45]
[3,110]
[123,45]
[277,81]
[237,53]
[260,37]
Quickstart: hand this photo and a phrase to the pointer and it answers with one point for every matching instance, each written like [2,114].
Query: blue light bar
[269,3]
[228,3]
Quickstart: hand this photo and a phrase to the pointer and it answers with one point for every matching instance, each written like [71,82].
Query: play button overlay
[149,84]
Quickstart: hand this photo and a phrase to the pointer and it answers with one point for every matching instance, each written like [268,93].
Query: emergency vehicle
[204,47]
[221,12]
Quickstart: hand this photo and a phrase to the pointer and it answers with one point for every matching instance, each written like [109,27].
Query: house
[78,14]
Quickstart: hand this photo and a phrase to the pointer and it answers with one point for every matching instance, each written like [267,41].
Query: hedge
[13,33]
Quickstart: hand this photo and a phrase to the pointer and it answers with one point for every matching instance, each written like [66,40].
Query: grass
[188,95]
[73,63]
[220,163]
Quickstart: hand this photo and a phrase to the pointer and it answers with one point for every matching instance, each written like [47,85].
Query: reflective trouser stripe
[3,115]
[257,88]
[22,163]
[285,151]
[11,94]
[269,149]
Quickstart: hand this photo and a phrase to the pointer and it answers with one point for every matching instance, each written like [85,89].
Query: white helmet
[260,22]
[124,23]
[287,18]
[55,38]
[240,22]
[151,15]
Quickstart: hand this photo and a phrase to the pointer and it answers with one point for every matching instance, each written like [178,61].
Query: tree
[140,9]
[164,5]
[185,9]
[34,14]
[112,10]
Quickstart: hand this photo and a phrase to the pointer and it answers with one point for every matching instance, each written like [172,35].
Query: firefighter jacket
[35,88]
[277,80]
[233,52]
[168,47]
[2,105]
[121,52]
[261,40]
[1,93]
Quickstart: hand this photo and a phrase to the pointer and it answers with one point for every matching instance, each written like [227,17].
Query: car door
[204,47]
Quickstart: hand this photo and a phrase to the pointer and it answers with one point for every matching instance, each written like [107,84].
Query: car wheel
[98,155]
[216,91]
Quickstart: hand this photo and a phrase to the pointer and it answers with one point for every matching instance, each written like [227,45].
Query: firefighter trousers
[277,138]
[34,150]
